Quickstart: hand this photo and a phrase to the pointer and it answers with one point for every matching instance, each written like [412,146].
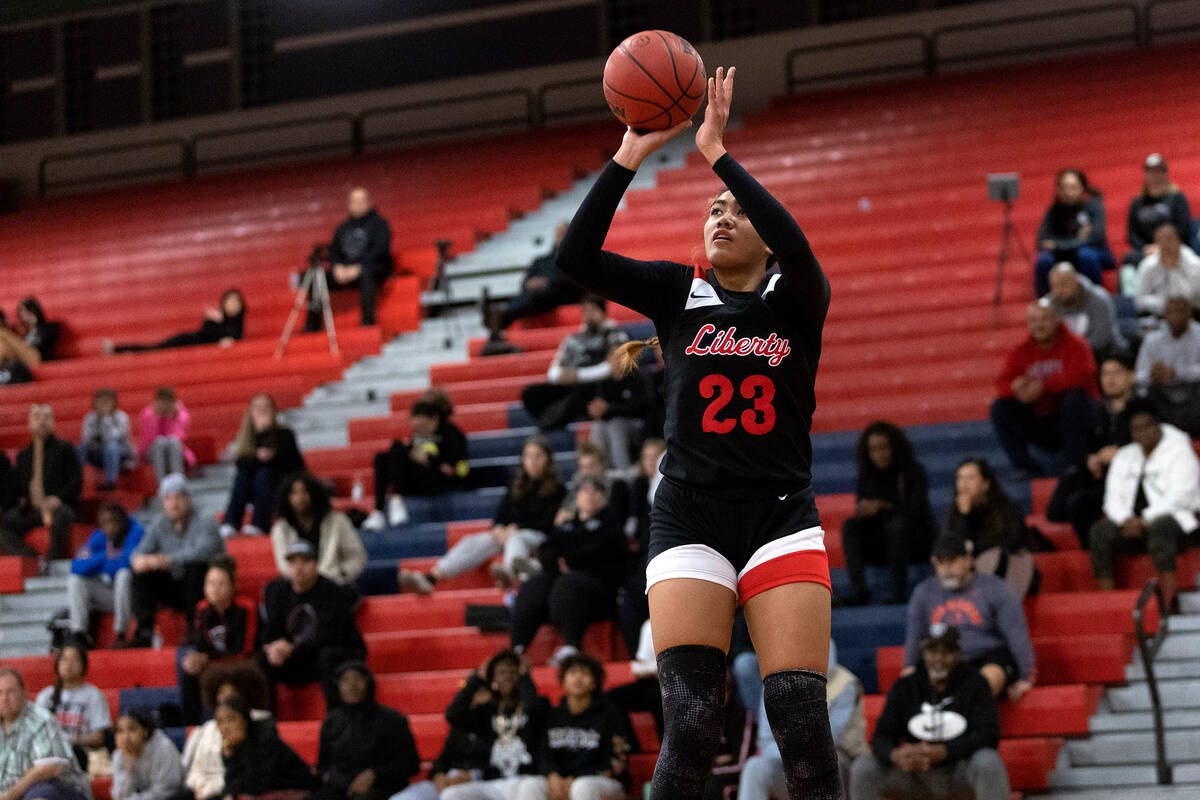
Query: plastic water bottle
[356,490]
[156,640]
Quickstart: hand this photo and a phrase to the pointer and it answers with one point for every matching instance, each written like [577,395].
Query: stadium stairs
[888,182]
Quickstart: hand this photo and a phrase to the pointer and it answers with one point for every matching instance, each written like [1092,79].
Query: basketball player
[734,520]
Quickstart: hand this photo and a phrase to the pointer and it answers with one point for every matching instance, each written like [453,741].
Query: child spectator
[105,441]
[520,524]
[162,431]
[1168,367]
[1073,230]
[500,705]
[308,625]
[583,565]
[80,708]
[203,768]
[433,462]
[584,752]
[146,765]
[985,516]
[101,578]
[265,451]
[937,735]
[305,513]
[1160,202]
[49,481]
[360,255]
[367,749]
[892,522]
[1151,500]
[219,645]
[995,639]
[222,325]
[257,761]
[39,333]
[1173,269]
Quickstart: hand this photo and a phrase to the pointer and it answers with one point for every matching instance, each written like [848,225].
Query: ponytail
[628,354]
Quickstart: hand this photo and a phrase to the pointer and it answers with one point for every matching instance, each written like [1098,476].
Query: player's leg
[790,628]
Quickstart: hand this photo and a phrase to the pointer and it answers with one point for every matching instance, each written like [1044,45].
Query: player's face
[1115,379]
[730,241]
[879,450]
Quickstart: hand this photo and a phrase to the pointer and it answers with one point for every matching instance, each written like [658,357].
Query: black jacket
[365,240]
[14,371]
[596,546]
[1063,223]
[8,483]
[1147,213]
[287,458]
[62,476]
[367,736]
[318,618]
[532,511]
[481,720]
[908,492]
[582,744]
[988,527]
[264,763]
[967,693]
[218,635]
[228,328]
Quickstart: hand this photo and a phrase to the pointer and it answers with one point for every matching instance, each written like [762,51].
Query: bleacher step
[1179,646]
[1130,721]
[1132,748]
[1128,793]
[1083,777]
[1175,693]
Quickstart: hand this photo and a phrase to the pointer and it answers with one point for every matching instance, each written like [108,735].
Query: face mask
[950,582]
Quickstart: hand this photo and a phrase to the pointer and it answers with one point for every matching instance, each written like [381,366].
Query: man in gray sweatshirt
[991,622]
[170,562]
[1085,308]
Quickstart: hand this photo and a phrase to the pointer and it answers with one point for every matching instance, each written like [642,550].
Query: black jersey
[740,366]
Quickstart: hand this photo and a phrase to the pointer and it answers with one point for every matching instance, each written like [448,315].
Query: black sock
[692,682]
[799,716]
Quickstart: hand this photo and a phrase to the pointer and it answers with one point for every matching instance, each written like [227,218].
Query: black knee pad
[799,716]
[692,681]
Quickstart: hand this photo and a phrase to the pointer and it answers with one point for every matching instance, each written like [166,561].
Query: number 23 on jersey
[758,419]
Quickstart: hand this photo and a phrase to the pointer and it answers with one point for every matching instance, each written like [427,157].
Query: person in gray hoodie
[1085,308]
[146,764]
[995,638]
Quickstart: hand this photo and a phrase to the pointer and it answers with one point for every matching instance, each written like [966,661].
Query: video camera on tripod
[312,294]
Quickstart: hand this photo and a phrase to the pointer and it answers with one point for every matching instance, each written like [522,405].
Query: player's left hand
[710,136]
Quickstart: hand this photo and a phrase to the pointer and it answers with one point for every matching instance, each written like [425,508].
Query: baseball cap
[952,545]
[300,547]
[941,634]
[1155,161]
[175,483]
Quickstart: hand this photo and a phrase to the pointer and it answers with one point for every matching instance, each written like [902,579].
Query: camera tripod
[315,288]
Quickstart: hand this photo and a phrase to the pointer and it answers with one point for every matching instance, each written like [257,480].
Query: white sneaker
[374,521]
[502,575]
[561,653]
[397,511]
[414,581]
[250,530]
[227,530]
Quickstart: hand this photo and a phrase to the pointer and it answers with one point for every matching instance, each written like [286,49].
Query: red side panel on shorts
[804,566]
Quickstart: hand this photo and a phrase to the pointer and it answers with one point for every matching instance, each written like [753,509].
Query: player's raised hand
[636,146]
[711,134]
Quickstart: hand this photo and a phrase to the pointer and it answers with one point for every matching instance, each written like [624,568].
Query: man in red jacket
[1045,388]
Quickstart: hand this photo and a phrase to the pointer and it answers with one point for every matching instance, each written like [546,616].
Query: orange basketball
[654,80]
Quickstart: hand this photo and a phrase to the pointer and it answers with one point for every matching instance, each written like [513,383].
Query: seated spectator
[105,441]
[584,754]
[500,705]
[1073,230]
[938,733]
[1173,269]
[17,358]
[1151,499]
[1160,202]
[146,764]
[80,708]
[995,640]
[218,647]
[265,451]
[433,462]
[618,413]
[985,516]
[101,576]
[582,567]
[1078,498]
[367,749]
[1044,390]
[203,767]
[162,431]
[632,607]
[1168,367]
[171,562]
[762,777]
[522,519]
[306,512]
[579,366]
[49,481]
[257,761]
[544,288]
[308,627]
[463,759]
[39,333]
[222,325]
[1086,309]
[36,762]
[892,522]
[360,255]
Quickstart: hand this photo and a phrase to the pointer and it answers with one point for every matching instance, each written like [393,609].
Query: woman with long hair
[39,332]
[222,325]
[306,512]
[1073,229]
[522,520]
[735,519]
[80,708]
[265,451]
[892,522]
[984,514]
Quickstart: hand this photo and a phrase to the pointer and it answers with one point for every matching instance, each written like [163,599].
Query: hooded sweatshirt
[582,744]
[1067,363]
[513,735]
[365,240]
[264,763]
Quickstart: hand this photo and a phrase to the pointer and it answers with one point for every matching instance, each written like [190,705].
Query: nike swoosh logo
[783,497]
[701,296]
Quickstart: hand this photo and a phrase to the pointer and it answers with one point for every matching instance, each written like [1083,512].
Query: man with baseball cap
[310,627]
[990,621]
[938,732]
[1160,202]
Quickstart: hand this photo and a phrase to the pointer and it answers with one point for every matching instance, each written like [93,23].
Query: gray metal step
[1180,646]
[24,649]
[1163,670]
[26,634]
[1133,748]
[1175,694]
[1128,793]
[1097,777]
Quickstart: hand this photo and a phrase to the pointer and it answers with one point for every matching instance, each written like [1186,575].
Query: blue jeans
[53,789]
[1090,261]
[254,485]
[107,455]
[1063,431]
